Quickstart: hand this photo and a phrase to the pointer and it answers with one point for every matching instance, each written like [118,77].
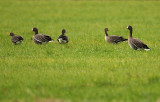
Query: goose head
[35,30]
[11,34]
[106,30]
[63,31]
[129,27]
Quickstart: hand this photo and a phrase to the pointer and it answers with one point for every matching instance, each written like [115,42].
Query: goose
[63,38]
[40,38]
[16,39]
[113,38]
[134,43]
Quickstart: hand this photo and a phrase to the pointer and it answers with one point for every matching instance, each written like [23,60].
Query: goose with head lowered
[16,39]
[134,43]
[40,38]
[113,38]
[63,38]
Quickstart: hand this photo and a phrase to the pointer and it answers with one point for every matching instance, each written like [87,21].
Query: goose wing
[139,44]
[39,38]
[19,38]
[116,39]
[15,39]
[48,38]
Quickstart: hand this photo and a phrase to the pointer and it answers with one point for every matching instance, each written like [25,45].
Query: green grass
[87,69]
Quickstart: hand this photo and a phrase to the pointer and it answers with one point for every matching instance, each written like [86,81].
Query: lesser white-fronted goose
[40,38]
[113,38]
[16,39]
[134,43]
[63,38]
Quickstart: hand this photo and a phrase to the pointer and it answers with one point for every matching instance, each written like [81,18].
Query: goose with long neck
[130,29]
[106,31]
[35,30]
[134,43]
[63,38]
[40,38]
[113,38]
[16,39]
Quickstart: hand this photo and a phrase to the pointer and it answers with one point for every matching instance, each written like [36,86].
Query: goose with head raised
[40,38]
[134,43]
[63,38]
[113,38]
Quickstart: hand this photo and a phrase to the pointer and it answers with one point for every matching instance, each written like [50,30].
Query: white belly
[61,40]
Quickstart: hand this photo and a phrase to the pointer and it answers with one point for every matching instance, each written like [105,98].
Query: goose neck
[35,32]
[130,35]
[106,33]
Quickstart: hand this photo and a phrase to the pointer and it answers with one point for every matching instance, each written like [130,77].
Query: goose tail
[147,49]
[124,40]
[51,40]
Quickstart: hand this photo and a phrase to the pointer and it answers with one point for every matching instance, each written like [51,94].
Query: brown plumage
[40,38]
[16,39]
[63,38]
[134,43]
[113,38]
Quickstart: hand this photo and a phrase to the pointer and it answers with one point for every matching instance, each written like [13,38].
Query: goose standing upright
[113,38]
[40,38]
[16,39]
[63,38]
[134,43]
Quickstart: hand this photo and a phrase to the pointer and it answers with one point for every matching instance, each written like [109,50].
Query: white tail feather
[51,41]
[147,49]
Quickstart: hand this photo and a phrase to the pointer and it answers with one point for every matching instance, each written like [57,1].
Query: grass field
[87,69]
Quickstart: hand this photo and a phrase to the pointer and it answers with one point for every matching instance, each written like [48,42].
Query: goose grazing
[134,43]
[63,38]
[16,39]
[113,38]
[40,38]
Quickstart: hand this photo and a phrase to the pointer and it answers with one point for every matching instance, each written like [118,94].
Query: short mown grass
[87,69]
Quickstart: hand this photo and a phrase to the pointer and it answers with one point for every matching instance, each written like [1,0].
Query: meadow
[87,69]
